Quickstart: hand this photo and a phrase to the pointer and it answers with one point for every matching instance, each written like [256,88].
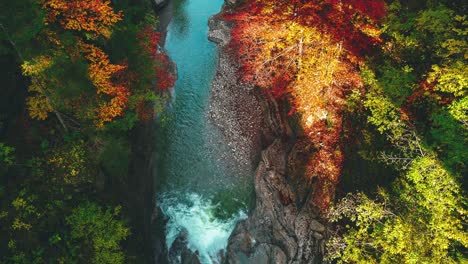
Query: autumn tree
[101,72]
[419,220]
[159,69]
[97,22]
[307,52]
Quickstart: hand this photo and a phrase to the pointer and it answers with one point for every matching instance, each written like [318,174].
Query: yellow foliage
[38,106]
[3,214]
[450,79]
[36,66]
[19,225]
[19,203]
[71,163]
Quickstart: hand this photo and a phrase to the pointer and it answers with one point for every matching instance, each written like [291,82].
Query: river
[199,189]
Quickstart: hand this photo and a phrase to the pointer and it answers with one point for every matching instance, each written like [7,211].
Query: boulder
[179,253]
[219,31]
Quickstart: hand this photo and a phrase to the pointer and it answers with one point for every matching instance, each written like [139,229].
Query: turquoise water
[198,190]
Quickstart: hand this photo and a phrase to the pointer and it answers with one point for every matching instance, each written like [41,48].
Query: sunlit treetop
[352,22]
[309,52]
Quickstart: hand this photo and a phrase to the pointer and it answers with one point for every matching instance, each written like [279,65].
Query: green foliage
[46,172]
[123,124]
[421,34]
[384,114]
[449,139]
[417,88]
[397,83]
[100,231]
[435,20]
[6,157]
[459,110]
[71,72]
[421,224]
[115,157]
[72,162]
[353,100]
[22,20]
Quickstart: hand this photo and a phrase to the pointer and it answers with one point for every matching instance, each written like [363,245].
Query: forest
[375,92]
[77,76]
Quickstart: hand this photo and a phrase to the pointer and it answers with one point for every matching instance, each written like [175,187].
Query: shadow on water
[180,19]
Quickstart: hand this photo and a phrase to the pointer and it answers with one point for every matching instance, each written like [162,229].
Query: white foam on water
[206,234]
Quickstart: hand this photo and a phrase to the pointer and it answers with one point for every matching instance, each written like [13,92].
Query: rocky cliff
[283,227]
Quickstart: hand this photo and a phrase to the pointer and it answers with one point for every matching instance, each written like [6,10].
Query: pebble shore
[233,106]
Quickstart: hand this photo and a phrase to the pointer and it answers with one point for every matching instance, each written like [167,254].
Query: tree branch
[34,79]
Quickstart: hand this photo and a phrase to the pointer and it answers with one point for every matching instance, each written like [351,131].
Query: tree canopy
[394,69]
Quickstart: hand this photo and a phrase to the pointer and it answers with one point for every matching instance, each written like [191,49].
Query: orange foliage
[101,72]
[95,16]
[352,22]
[88,20]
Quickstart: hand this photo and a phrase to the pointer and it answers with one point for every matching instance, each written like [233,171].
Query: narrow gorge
[233,131]
[231,162]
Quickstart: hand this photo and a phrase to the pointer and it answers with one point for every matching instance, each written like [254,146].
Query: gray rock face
[277,231]
[219,31]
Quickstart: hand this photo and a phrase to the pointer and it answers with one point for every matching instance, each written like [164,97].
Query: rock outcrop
[160,3]
[179,252]
[278,230]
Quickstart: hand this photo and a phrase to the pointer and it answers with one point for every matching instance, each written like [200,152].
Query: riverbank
[283,227]
[234,107]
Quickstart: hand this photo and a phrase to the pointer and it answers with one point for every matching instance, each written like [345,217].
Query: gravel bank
[233,106]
